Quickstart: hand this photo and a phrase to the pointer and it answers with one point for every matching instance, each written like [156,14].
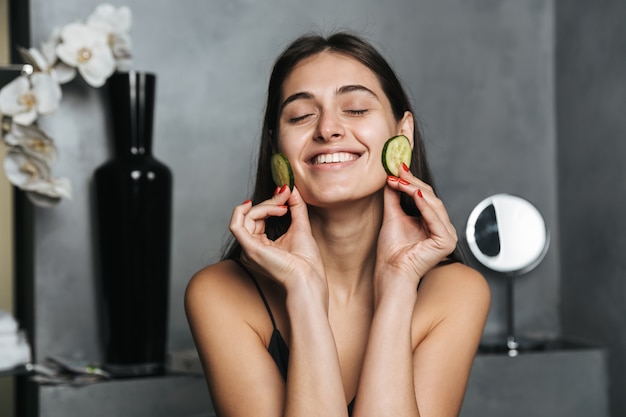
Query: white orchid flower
[26,97]
[32,140]
[20,168]
[55,187]
[27,164]
[94,50]
[87,49]
[42,61]
[33,176]
[48,193]
[116,23]
[47,61]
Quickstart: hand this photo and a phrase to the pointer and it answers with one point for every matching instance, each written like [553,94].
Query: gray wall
[591,98]
[480,72]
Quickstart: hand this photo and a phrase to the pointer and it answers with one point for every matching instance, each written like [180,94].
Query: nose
[329,127]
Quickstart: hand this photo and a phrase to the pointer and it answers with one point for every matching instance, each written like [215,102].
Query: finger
[411,185]
[247,226]
[435,214]
[250,220]
[237,217]
[440,228]
[405,186]
[391,199]
[299,211]
[281,194]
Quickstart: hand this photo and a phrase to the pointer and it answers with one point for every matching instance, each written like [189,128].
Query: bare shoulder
[213,283]
[453,290]
[231,332]
[457,282]
[219,291]
[218,275]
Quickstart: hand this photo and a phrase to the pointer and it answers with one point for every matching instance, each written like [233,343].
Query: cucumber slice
[281,170]
[396,151]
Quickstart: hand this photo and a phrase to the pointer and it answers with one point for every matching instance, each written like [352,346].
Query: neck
[347,237]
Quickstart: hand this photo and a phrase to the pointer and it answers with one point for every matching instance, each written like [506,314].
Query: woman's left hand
[410,246]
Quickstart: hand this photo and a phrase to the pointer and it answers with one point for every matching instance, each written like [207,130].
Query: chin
[338,196]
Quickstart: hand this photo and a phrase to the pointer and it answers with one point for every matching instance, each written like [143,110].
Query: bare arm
[314,384]
[421,344]
[242,378]
[443,356]
[230,331]
[386,385]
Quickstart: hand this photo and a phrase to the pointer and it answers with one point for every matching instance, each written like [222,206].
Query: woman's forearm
[386,386]
[314,385]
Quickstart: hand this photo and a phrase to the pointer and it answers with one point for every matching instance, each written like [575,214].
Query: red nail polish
[403,182]
[392,178]
[282,190]
[419,193]
[277,190]
[247,202]
[404,167]
[283,206]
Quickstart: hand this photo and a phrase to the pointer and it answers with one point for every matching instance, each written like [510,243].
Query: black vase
[133,197]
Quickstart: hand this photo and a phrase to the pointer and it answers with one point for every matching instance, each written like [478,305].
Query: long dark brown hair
[303,47]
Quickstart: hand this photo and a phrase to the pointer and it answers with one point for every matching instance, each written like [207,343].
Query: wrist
[397,287]
[306,293]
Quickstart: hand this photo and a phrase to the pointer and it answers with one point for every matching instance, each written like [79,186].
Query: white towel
[7,323]
[14,349]
[18,354]
[8,339]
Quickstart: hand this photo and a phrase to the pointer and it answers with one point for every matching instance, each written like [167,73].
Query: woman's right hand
[293,258]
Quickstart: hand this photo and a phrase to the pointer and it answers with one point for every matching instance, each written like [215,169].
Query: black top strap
[258,287]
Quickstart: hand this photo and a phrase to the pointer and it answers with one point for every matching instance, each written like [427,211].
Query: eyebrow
[357,87]
[342,90]
[294,97]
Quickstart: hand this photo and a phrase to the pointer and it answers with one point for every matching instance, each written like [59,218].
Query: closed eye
[299,118]
[357,112]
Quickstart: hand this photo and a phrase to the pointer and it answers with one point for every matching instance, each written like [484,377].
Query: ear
[406,126]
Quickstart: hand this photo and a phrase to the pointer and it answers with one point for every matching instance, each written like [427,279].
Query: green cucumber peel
[396,150]
[281,171]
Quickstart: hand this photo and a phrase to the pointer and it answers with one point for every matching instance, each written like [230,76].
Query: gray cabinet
[556,383]
[560,382]
[167,396]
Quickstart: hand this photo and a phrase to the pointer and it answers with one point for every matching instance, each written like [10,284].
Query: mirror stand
[511,343]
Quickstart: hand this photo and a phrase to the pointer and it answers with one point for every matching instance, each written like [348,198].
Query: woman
[314,310]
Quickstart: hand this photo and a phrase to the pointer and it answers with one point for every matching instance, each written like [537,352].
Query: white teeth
[328,158]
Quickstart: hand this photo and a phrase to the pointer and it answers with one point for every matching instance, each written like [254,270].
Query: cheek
[288,148]
[292,141]
[374,137]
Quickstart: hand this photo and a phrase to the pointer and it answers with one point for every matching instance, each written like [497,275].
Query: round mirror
[507,234]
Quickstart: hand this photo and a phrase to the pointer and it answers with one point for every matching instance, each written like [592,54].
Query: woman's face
[333,123]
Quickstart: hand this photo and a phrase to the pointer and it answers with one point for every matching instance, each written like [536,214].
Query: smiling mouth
[332,158]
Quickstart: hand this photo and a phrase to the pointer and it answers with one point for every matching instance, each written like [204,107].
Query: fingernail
[283,206]
[403,182]
[247,202]
[277,190]
[419,193]
[392,178]
[404,167]
[282,190]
